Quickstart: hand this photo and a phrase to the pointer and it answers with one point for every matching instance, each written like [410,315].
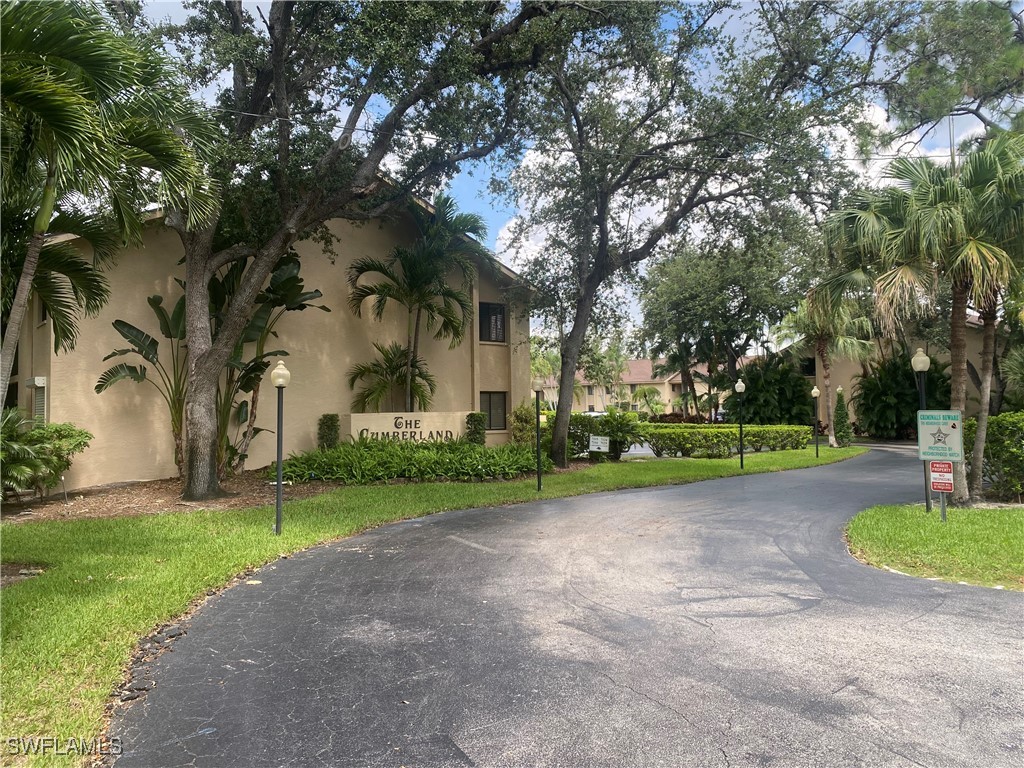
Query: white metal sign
[942,476]
[940,435]
[599,443]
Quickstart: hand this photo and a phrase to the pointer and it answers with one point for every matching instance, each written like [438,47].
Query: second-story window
[492,322]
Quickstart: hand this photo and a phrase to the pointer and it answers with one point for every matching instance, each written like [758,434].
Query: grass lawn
[68,634]
[978,546]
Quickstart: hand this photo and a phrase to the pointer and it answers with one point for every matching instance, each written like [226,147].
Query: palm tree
[386,374]
[962,225]
[681,359]
[86,114]
[829,329]
[649,397]
[418,279]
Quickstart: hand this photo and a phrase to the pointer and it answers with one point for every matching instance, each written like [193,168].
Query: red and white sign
[942,476]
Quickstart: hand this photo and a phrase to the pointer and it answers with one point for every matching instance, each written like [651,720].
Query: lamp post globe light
[740,389]
[280,377]
[538,390]
[920,362]
[816,393]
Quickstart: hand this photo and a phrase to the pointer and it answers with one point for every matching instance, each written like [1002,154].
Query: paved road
[716,624]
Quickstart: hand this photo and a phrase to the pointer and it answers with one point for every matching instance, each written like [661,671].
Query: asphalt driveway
[715,624]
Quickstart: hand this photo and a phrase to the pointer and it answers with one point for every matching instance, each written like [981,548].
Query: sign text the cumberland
[418,427]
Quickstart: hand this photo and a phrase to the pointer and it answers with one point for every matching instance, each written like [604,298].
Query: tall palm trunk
[19,305]
[958,377]
[414,343]
[826,378]
[988,349]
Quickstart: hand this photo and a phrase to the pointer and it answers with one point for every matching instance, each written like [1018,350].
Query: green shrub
[886,400]
[34,456]
[1003,466]
[776,394]
[581,427]
[622,428]
[523,422]
[717,442]
[368,461]
[327,431]
[841,418]
[476,427]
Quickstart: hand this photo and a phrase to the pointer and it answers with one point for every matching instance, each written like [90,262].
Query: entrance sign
[599,443]
[942,476]
[405,427]
[940,436]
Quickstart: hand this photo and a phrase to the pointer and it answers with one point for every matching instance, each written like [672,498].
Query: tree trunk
[988,348]
[693,392]
[19,307]
[19,304]
[414,342]
[826,379]
[250,430]
[958,378]
[570,357]
[201,480]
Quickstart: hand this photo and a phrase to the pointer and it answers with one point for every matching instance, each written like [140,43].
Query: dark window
[607,390]
[807,367]
[590,408]
[632,389]
[11,400]
[590,390]
[492,322]
[493,404]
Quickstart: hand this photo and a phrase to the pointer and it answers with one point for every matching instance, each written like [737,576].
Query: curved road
[715,624]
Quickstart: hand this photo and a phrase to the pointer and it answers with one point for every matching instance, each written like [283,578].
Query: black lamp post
[740,389]
[920,362]
[279,377]
[538,390]
[815,393]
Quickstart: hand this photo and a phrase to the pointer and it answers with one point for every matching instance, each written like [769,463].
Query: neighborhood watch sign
[421,427]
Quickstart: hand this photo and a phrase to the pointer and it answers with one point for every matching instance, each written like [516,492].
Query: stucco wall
[130,422]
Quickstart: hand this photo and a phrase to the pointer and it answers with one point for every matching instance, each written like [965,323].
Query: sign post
[942,482]
[940,442]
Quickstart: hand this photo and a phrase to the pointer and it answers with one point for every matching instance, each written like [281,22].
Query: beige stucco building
[593,397]
[489,371]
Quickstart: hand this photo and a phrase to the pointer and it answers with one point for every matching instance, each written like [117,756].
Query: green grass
[68,634]
[978,546]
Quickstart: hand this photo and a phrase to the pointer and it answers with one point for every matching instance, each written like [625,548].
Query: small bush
[843,430]
[372,461]
[523,421]
[622,428]
[327,431]
[476,428]
[33,456]
[1003,466]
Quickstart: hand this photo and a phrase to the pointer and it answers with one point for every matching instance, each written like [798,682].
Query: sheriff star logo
[939,437]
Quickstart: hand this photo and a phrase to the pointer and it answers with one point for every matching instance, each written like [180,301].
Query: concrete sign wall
[414,427]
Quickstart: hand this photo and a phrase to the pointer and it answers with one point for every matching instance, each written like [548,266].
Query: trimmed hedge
[712,441]
[372,461]
[1004,453]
